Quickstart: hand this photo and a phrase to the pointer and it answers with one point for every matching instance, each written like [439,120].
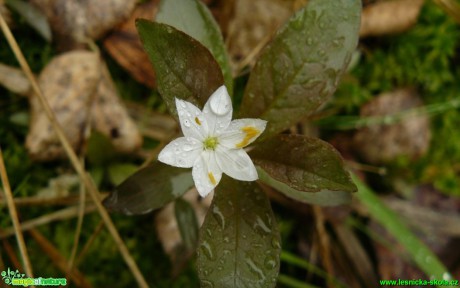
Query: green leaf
[195,19]
[301,68]
[184,68]
[187,223]
[149,188]
[239,240]
[425,259]
[303,163]
[323,198]
[120,171]
[33,16]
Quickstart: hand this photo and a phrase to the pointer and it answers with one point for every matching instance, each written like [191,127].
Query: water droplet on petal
[220,105]
[182,104]
[187,148]
[186,123]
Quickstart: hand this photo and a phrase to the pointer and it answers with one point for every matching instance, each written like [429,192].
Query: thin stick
[89,243]
[73,157]
[12,255]
[14,217]
[324,242]
[58,260]
[45,219]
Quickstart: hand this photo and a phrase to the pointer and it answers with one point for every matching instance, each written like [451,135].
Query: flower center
[210,143]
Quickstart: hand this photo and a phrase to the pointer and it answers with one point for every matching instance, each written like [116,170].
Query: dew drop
[270,262]
[220,105]
[218,216]
[187,148]
[186,123]
[207,250]
[276,243]
[182,104]
[255,269]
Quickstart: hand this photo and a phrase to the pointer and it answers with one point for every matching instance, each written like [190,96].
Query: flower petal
[236,164]
[218,111]
[206,173]
[191,120]
[182,152]
[242,132]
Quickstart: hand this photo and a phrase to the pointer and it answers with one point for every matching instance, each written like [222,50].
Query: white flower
[213,143]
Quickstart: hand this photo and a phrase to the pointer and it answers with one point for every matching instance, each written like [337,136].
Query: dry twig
[14,216]
[73,157]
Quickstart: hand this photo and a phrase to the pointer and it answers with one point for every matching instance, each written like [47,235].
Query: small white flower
[213,143]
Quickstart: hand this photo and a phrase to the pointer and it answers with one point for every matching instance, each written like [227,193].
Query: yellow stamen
[211,178]
[250,132]
[197,121]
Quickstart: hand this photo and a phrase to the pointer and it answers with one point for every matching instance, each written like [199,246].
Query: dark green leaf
[195,19]
[301,68]
[149,188]
[185,68]
[239,240]
[303,163]
[33,16]
[187,223]
[120,171]
[323,198]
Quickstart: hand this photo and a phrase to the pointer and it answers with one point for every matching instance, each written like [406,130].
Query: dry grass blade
[357,255]
[43,201]
[324,241]
[14,217]
[89,243]
[451,7]
[58,260]
[12,255]
[45,219]
[73,157]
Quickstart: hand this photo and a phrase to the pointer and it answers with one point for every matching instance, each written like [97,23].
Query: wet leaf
[187,223]
[185,68]
[303,163]
[149,188]
[239,240]
[119,172]
[301,68]
[195,19]
[34,17]
[323,198]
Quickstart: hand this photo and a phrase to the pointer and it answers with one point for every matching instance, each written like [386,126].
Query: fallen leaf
[389,17]
[410,137]
[74,22]
[110,117]
[14,80]
[124,45]
[253,24]
[69,82]
[79,89]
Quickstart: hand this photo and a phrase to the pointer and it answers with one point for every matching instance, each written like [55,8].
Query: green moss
[423,57]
